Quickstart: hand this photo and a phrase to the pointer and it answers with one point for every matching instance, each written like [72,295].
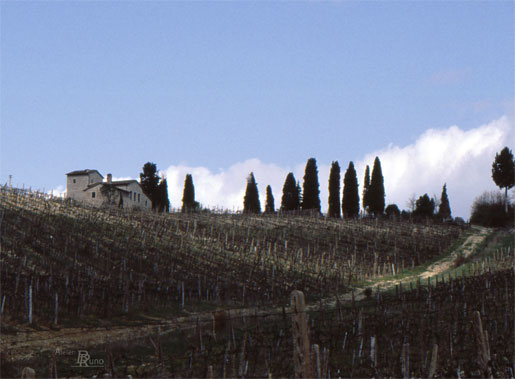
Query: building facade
[89,187]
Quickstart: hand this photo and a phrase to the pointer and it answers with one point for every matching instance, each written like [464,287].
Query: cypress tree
[270,205]
[350,201]
[444,210]
[375,193]
[503,172]
[290,200]
[311,191]
[163,202]
[149,181]
[188,195]
[334,191]
[366,186]
[251,200]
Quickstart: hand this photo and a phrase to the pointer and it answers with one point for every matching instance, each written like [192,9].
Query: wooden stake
[434,359]
[483,345]
[301,355]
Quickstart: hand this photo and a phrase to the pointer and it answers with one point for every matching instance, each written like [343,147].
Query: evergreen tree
[163,202]
[392,211]
[251,200]
[311,191]
[424,207]
[350,201]
[334,191]
[444,210]
[366,186]
[188,195]
[375,193]
[270,205]
[291,199]
[503,172]
[149,181]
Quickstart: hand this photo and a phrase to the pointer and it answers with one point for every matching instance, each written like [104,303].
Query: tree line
[306,198]
[156,189]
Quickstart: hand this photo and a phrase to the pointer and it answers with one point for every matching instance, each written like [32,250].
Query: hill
[81,269]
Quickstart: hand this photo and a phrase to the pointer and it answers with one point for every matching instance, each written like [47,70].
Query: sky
[222,88]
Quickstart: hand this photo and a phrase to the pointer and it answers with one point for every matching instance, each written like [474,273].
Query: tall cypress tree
[375,192]
[503,172]
[444,210]
[366,186]
[270,205]
[350,201]
[334,191]
[163,202]
[251,200]
[290,200]
[149,180]
[188,195]
[311,191]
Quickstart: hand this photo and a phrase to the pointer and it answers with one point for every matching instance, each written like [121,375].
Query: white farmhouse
[88,186]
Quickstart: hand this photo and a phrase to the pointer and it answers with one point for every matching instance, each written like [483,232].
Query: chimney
[109,178]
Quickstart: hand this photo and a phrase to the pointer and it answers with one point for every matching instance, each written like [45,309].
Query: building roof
[104,184]
[83,172]
[124,182]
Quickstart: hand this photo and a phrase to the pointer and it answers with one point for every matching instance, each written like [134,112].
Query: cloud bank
[460,158]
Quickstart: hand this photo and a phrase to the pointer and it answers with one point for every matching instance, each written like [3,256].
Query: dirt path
[442,265]
[27,343]
[467,248]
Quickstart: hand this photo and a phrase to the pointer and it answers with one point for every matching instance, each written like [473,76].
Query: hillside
[76,269]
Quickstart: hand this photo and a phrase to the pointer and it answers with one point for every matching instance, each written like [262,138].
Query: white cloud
[225,188]
[462,159]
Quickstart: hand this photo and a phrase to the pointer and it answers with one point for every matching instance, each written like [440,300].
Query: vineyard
[208,294]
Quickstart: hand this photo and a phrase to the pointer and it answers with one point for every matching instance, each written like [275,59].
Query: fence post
[53,366]
[316,360]
[301,353]
[373,351]
[484,348]
[405,360]
[434,358]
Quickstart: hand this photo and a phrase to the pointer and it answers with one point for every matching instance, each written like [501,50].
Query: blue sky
[222,88]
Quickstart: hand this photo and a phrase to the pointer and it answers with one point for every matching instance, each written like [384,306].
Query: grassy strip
[416,271]
[493,241]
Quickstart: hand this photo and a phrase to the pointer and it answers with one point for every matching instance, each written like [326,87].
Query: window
[139,197]
[93,194]
[74,180]
[145,203]
[130,195]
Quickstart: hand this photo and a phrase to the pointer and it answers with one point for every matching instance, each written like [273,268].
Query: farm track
[27,343]
[436,268]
